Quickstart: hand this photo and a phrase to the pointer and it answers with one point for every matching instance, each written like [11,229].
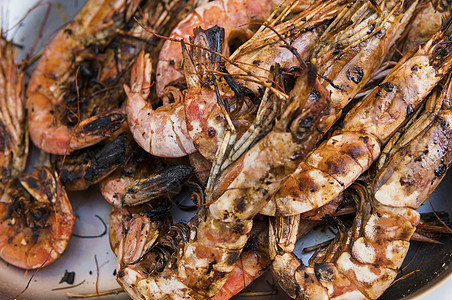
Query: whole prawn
[362,262]
[55,72]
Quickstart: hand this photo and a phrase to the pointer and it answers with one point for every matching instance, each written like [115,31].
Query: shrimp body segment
[363,262]
[36,224]
[338,161]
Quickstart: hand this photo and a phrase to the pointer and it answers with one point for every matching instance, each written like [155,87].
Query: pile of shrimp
[271,116]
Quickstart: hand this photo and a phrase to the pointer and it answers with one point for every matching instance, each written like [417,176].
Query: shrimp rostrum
[362,262]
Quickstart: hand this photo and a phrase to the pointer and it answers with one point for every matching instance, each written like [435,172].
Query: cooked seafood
[61,119]
[315,116]
[237,17]
[13,129]
[75,94]
[36,223]
[246,74]
[339,160]
[163,131]
[85,167]
[426,22]
[363,261]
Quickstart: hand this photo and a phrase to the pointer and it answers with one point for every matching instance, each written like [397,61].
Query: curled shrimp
[53,128]
[363,261]
[37,221]
[338,161]
[163,131]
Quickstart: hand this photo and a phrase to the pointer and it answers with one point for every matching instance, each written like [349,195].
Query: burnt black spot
[414,68]
[68,31]
[256,62]
[324,272]
[120,273]
[172,62]
[407,181]
[312,74]
[240,207]
[306,122]
[364,138]
[356,74]
[233,257]
[211,132]
[388,87]
[441,170]
[210,267]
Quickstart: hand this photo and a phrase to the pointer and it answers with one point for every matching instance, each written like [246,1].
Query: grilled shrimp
[206,122]
[53,127]
[37,221]
[362,262]
[339,160]
[210,248]
[133,232]
[163,132]
[340,79]
[85,167]
[13,129]
[76,91]
[237,17]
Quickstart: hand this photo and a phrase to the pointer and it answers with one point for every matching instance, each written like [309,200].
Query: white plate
[80,254]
